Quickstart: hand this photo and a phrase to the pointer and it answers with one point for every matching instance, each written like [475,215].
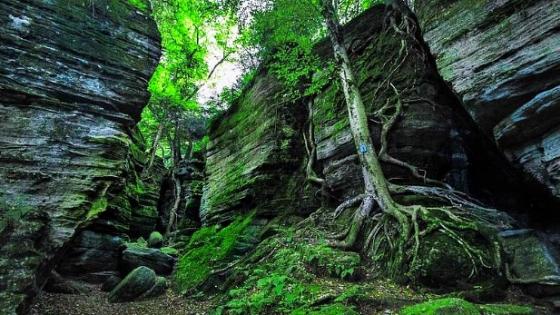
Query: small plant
[97,207]
[286,279]
[11,211]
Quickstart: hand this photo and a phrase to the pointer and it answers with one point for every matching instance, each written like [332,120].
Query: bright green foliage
[208,247]
[169,251]
[142,5]
[462,307]
[188,28]
[288,277]
[97,207]
[330,309]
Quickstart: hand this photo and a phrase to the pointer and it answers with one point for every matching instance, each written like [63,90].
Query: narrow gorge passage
[279,157]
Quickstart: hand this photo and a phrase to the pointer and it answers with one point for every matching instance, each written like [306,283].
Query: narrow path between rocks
[96,303]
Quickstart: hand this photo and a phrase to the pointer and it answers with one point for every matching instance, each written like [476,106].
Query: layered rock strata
[503,59]
[73,78]
[256,155]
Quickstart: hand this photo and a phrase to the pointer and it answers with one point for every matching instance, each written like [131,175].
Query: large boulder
[73,81]
[153,258]
[92,257]
[532,261]
[140,283]
[110,283]
[501,58]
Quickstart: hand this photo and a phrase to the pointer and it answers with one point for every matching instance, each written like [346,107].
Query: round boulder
[134,285]
[155,240]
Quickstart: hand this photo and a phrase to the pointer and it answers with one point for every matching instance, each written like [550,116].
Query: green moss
[11,211]
[155,239]
[169,251]
[330,309]
[291,276]
[506,309]
[442,306]
[455,306]
[208,247]
[142,5]
[139,243]
[97,207]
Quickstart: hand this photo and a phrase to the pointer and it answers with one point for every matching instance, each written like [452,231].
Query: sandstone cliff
[73,82]
[256,157]
[502,59]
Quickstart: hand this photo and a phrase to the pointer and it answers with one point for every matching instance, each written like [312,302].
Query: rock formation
[256,157]
[502,59]
[73,83]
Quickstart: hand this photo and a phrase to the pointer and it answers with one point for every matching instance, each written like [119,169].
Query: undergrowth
[286,274]
[206,249]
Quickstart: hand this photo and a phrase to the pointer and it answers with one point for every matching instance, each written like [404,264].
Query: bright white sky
[227,73]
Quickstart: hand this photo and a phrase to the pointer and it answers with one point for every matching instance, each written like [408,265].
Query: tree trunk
[374,179]
[154,148]
[173,212]
[375,182]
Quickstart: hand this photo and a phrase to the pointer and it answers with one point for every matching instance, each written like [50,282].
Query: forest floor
[96,303]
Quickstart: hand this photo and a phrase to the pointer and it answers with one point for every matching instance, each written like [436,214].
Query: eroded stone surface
[73,78]
[502,58]
[256,153]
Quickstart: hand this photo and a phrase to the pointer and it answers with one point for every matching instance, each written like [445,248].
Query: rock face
[92,256]
[256,153]
[73,78]
[152,258]
[502,59]
[533,261]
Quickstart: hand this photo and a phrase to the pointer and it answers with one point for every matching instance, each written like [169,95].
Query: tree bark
[175,207]
[153,150]
[375,182]
[374,179]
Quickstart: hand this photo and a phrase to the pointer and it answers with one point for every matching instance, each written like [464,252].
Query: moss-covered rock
[443,262]
[209,248]
[155,240]
[136,283]
[255,156]
[454,306]
[70,147]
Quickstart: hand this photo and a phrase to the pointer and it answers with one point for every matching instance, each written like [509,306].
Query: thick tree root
[311,149]
[347,204]
[348,238]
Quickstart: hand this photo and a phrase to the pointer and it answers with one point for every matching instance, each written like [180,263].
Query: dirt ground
[96,303]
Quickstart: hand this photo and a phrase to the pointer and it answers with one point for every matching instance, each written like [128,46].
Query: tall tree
[410,222]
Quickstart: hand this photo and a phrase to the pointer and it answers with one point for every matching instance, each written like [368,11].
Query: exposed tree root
[401,227]
[311,149]
[347,204]
[348,238]
[388,121]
